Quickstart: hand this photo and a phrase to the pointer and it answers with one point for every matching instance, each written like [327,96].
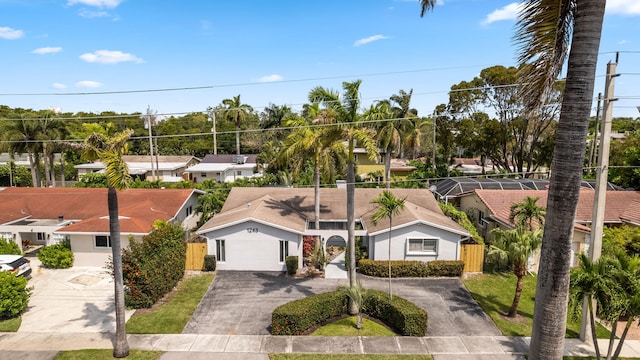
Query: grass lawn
[347,327]
[346,357]
[106,354]
[10,325]
[494,292]
[170,318]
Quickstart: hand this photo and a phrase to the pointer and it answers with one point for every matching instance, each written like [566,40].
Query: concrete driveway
[75,300]
[242,302]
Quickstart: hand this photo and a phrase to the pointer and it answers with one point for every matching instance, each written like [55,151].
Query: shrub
[400,314]
[9,247]
[209,263]
[445,267]
[57,256]
[296,317]
[462,219]
[153,266]
[14,295]
[292,264]
[399,268]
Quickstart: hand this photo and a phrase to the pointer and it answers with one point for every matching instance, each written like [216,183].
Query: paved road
[241,303]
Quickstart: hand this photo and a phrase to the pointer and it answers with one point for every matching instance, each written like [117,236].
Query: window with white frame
[420,246]
[220,251]
[102,241]
[239,173]
[189,210]
[284,250]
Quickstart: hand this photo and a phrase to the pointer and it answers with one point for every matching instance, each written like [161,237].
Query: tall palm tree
[110,151]
[514,248]
[388,207]
[21,137]
[237,112]
[526,212]
[348,121]
[387,133]
[544,31]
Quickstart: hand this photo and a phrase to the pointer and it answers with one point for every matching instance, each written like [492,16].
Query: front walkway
[463,347]
[336,269]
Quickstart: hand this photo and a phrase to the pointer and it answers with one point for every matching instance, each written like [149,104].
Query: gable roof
[139,164]
[87,207]
[620,206]
[227,158]
[291,208]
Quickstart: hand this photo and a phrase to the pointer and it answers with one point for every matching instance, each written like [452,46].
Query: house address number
[252,230]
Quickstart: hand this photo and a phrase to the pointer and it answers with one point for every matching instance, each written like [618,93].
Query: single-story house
[45,216]
[224,168]
[167,168]
[490,209]
[258,227]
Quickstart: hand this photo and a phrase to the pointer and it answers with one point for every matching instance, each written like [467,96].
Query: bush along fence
[410,268]
[298,317]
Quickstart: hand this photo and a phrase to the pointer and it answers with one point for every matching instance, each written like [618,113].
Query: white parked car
[16,264]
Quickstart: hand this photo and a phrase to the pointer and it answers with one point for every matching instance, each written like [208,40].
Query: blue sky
[268,51]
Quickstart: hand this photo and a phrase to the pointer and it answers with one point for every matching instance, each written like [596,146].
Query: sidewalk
[336,269]
[234,346]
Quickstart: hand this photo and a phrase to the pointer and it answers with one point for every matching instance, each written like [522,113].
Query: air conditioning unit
[239,159]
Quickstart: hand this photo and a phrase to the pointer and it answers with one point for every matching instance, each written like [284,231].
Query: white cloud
[59,86]
[369,39]
[88,84]
[509,12]
[85,13]
[624,7]
[47,50]
[270,78]
[624,42]
[10,34]
[110,4]
[109,57]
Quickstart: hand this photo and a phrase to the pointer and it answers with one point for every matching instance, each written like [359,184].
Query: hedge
[14,295]
[410,268]
[210,263]
[153,266]
[9,247]
[297,317]
[462,219]
[57,256]
[292,264]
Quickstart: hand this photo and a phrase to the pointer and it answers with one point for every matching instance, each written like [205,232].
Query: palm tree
[348,121]
[388,137]
[613,282]
[237,112]
[356,294]
[544,31]
[514,248]
[526,212]
[388,207]
[110,151]
[20,137]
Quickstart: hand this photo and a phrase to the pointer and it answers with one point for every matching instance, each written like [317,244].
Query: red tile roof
[620,206]
[138,208]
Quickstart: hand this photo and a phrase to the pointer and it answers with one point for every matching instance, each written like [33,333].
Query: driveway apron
[242,302]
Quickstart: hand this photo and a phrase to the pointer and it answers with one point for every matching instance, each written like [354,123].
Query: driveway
[241,303]
[75,300]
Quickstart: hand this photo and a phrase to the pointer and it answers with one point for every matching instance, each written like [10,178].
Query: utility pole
[597,222]
[594,142]
[433,156]
[148,123]
[213,130]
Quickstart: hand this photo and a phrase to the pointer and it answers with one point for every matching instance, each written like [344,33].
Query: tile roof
[138,208]
[620,206]
[290,208]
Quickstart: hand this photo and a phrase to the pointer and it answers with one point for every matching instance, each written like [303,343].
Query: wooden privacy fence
[195,256]
[473,257]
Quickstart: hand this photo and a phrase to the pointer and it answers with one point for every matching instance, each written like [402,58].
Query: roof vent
[60,218]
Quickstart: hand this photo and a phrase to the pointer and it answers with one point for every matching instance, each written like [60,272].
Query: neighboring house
[490,209]
[258,227]
[224,168]
[366,166]
[45,216]
[471,166]
[167,168]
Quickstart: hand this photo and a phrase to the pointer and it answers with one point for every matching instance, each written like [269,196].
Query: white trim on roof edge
[202,232]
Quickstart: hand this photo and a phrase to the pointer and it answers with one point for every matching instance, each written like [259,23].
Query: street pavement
[42,346]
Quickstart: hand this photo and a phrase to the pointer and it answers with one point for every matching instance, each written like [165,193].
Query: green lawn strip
[10,325]
[106,354]
[347,357]
[592,358]
[170,318]
[494,292]
[347,327]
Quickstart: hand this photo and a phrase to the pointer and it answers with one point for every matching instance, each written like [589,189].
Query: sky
[269,52]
